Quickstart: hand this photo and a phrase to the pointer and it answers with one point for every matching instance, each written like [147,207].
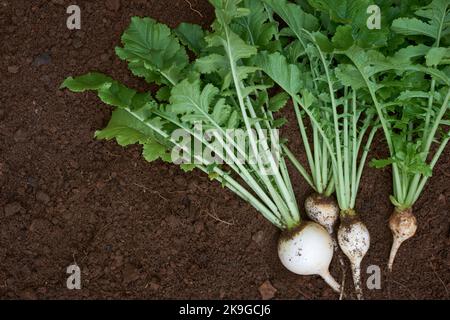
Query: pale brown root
[356,271]
[323,210]
[330,281]
[395,246]
[403,225]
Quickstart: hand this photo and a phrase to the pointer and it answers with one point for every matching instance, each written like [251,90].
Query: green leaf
[287,76]
[192,36]
[307,98]
[163,94]
[278,123]
[383,163]
[350,76]
[234,46]
[153,52]
[109,91]
[279,101]
[188,167]
[343,38]
[117,95]
[88,82]
[255,28]
[435,26]
[436,55]
[294,16]
[211,63]
[127,129]
[153,151]
[194,104]
[412,27]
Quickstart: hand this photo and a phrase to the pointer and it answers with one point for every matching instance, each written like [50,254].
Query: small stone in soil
[130,274]
[42,59]
[267,290]
[12,209]
[258,237]
[154,286]
[42,197]
[20,136]
[13,69]
[199,226]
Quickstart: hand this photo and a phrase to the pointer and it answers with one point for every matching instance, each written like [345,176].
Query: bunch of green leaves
[410,90]
[221,89]
[343,124]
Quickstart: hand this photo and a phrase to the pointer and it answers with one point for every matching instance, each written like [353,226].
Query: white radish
[323,210]
[308,250]
[354,240]
[403,225]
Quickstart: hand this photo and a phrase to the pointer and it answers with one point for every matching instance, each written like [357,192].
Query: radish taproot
[403,225]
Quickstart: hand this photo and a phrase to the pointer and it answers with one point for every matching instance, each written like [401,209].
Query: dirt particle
[20,135]
[42,197]
[130,273]
[258,237]
[28,294]
[42,59]
[77,43]
[113,5]
[267,290]
[13,69]
[12,209]
[199,226]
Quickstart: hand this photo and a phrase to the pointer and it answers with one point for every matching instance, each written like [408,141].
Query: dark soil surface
[140,230]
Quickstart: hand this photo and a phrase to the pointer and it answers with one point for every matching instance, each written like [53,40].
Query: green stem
[299,167]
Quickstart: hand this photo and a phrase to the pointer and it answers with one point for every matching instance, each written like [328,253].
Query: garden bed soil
[150,231]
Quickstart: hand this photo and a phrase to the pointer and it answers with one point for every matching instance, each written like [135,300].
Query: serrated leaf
[188,167]
[152,51]
[194,104]
[279,101]
[192,36]
[343,38]
[163,94]
[211,63]
[277,68]
[350,76]
[436,55]
[90,81]
[413,27]
[153,151]
[255,28]
[294,16]
[278,123]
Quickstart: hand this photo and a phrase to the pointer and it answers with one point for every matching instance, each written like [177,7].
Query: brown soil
[140,230]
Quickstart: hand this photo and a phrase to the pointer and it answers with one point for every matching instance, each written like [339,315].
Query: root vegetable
[308,250]
[323,210]
[403,225]
[354,240]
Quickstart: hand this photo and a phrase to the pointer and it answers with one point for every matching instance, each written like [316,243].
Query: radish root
[403,225]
